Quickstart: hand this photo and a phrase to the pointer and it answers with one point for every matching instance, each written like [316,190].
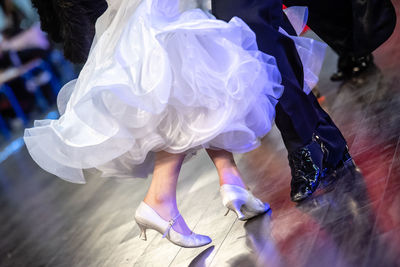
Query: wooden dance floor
[45,221]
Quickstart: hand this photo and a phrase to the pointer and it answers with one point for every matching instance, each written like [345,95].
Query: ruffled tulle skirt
[157,79]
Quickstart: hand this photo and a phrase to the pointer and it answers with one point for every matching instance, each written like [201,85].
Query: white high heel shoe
[242,202]
[147,218]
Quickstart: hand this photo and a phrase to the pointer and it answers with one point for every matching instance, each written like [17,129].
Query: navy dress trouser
[298,115]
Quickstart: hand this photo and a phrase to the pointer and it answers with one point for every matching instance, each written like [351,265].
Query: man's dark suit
[298,116]
[350,27]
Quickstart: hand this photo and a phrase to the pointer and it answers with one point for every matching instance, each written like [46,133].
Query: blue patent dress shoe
[309,166]
[306,164]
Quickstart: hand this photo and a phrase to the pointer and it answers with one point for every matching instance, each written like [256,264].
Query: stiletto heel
[242,202]
[147,218]
[235,205]
[227,211]
[142,232]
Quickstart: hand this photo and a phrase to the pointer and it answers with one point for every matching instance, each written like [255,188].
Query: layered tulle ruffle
[157,79]
[311,52]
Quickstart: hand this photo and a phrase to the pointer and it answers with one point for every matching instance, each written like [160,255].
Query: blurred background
[32,71]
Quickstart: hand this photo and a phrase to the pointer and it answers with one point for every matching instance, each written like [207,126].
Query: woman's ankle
[168,211]
[231,177]
[233,182]
[166,208]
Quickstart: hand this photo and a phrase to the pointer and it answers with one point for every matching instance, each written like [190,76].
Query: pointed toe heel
[242,202]
[146,218]
[142,231]
[235,205]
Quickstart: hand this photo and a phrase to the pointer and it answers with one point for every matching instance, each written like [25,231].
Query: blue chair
[4,129]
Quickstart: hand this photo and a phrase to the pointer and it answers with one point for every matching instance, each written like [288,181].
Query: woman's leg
[239,200]
[227,170]
[161,195]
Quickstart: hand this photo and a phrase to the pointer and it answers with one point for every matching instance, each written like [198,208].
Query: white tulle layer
[311,52]
[157,79]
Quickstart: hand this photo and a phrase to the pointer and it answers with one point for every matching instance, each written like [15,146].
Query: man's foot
[308,166]
[330,173]
[361,64]
[350,67]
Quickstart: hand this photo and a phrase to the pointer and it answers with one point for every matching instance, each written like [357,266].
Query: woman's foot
[159,210]
[237,198]
[168,212]
[161,196]
[147,218]
[242,202]
[234,194]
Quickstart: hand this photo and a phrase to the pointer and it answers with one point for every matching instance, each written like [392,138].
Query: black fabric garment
[71,22]
[353,28]
[298,116]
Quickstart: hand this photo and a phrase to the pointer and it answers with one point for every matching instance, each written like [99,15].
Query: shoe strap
[171,223]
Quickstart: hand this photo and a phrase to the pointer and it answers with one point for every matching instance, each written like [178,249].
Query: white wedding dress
[158,79]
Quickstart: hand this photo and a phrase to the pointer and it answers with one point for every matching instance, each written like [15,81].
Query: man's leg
[322,123]
[298,116]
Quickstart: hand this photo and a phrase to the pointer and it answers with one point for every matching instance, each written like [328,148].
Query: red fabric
[306,28]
